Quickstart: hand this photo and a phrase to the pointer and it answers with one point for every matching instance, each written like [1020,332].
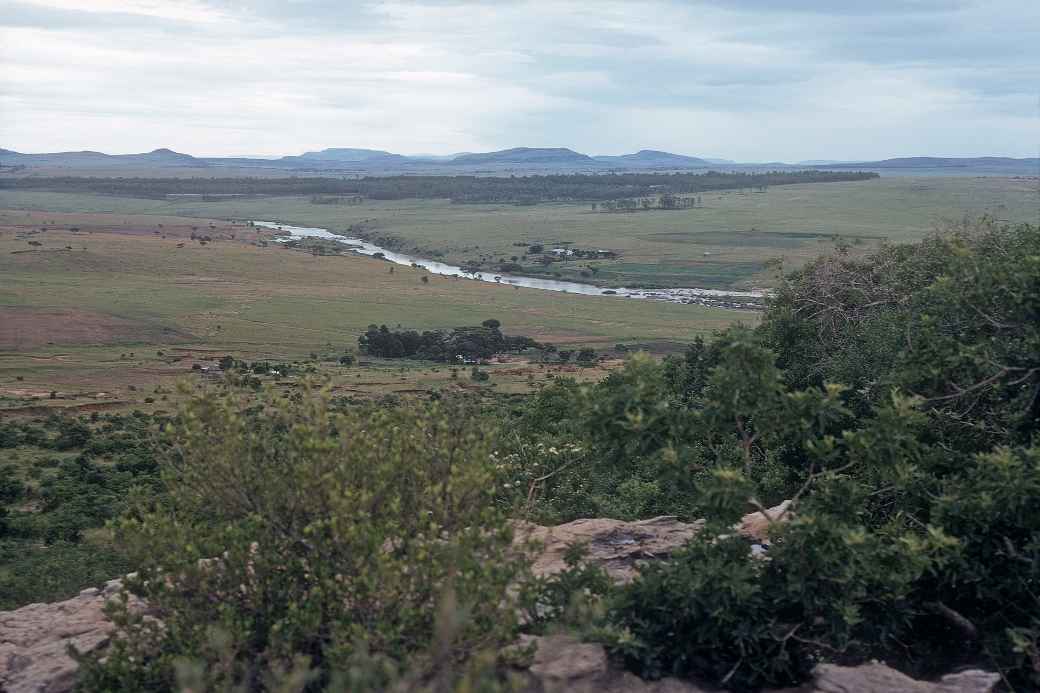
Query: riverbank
[735,300]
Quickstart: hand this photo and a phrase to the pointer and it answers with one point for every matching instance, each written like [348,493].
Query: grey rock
[621,547]
[563,664]
[34,640]
[876,677]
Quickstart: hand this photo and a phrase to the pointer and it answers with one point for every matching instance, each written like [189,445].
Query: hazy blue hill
[541,160]
[654,158]
[933,161]
[527,155]
[345,155]
[157,157]
[160,156]
[954,165]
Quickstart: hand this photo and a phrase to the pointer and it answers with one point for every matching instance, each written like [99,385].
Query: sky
[749,80]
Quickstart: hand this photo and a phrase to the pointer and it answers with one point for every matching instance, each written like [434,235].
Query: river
[746,300]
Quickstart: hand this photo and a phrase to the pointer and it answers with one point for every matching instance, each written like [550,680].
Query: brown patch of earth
[24,329]
[84,224]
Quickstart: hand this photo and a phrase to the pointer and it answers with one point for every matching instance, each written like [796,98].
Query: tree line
[460,189]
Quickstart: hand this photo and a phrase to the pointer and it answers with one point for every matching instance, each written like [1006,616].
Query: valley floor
[103,309]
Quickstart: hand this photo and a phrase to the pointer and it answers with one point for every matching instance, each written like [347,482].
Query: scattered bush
[335,537]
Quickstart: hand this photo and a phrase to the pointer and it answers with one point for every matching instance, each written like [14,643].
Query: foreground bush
[917,528]
[896,398]
[333,549]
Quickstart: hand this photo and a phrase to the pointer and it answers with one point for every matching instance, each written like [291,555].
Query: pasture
[727,242]
[112,299]
[103,315]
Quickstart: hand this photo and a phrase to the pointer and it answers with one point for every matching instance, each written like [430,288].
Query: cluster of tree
[467,343]
[664,201]
[230,363]
[337,200]
[475,189]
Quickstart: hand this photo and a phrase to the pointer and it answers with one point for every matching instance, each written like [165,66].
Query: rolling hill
[652,158]
[156,157]
[527,156]
[979,164]
[345,155]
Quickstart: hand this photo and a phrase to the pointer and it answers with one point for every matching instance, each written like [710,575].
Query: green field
[94,317]
[89,311]
[723,244]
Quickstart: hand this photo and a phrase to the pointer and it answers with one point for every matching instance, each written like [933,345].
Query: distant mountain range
[978,163]
[517,159]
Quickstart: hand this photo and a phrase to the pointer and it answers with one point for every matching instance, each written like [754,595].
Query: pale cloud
[179,10]
[751,79]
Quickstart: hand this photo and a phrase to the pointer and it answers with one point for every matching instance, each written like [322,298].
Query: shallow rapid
[747,300]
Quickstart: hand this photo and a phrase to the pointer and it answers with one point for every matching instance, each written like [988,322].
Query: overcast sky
[752,80]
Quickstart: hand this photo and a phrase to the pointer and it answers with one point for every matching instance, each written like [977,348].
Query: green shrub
[896,397]
[72,434]
[837,582]
[916,533]
[11,489]
[34,573]
[954,319]
[619,448]
[991,507]
[10,436]
[298,537]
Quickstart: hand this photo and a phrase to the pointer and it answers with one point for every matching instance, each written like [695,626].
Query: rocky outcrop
[878,678]
[34,640]
[562,664]
[620,547]
[617,547]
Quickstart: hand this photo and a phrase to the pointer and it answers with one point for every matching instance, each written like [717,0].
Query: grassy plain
[88,311]
[106,314]
[723,244]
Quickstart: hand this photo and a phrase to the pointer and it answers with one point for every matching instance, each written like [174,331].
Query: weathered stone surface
[879,678]
[562,664]
[561,659]
[34,640]
[756,525]
[614,545]
[619,547]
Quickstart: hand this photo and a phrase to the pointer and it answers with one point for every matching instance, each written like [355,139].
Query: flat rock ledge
[562,664]
[34,640]
[620,547]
